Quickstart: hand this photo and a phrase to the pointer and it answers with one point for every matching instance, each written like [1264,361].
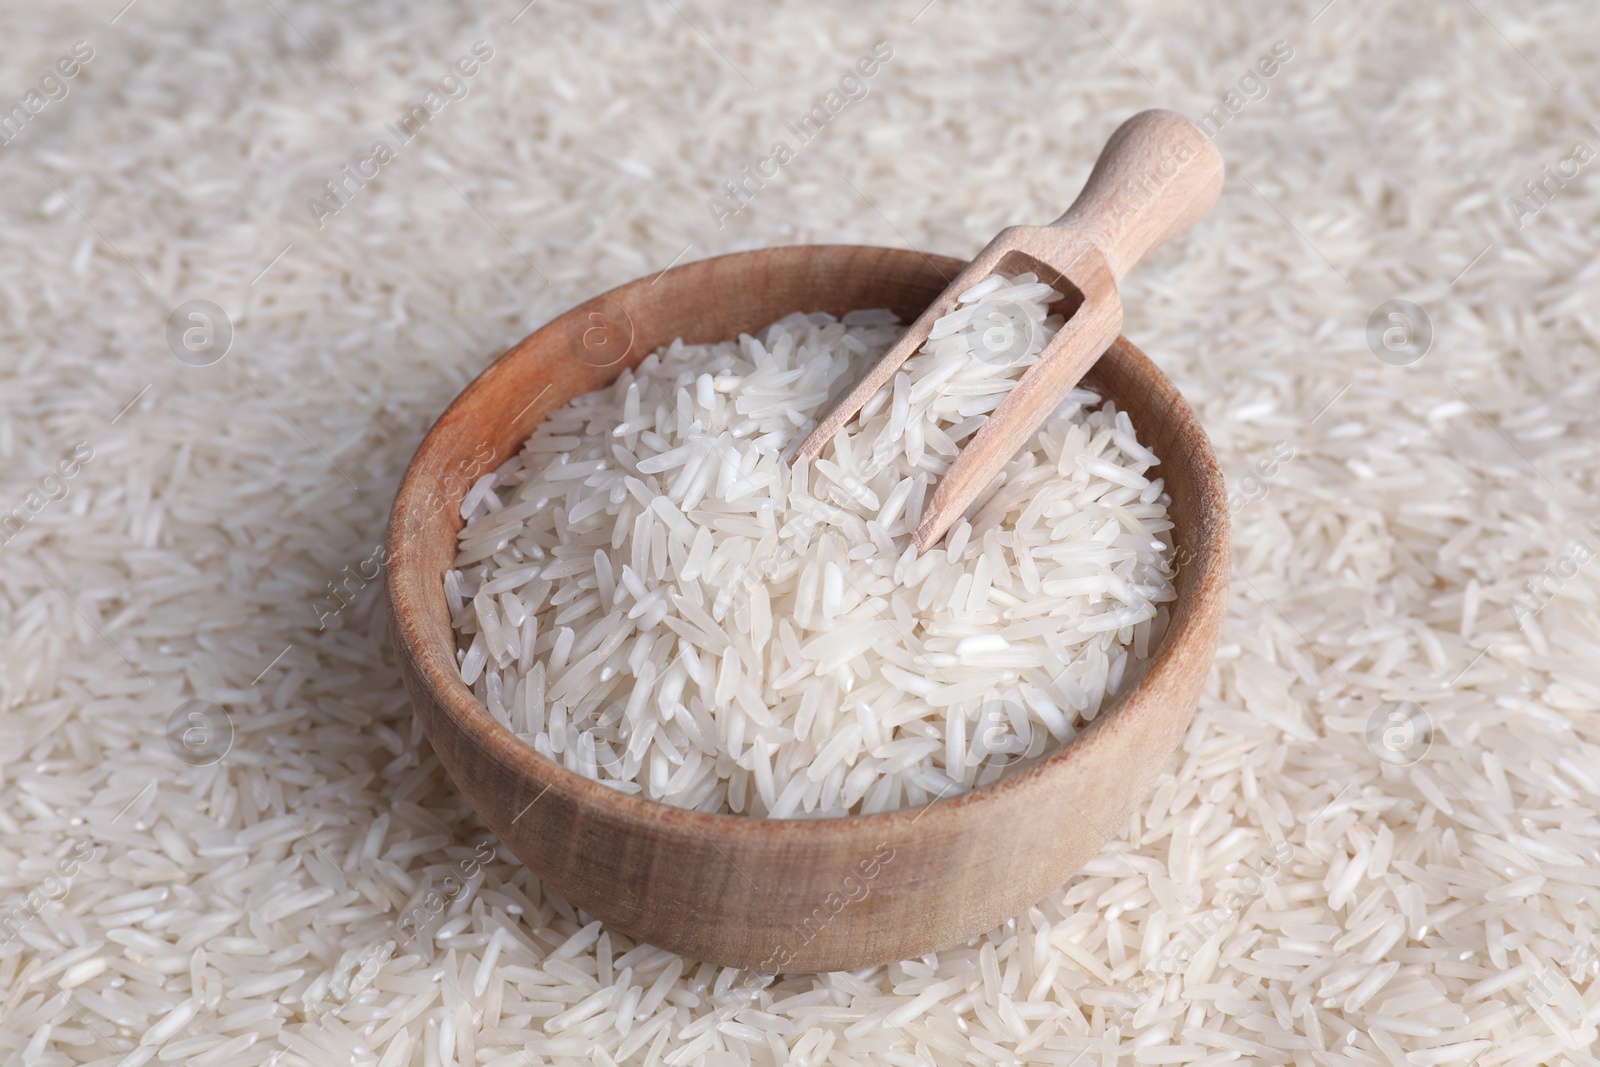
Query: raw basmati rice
[650,595]
[1382,563]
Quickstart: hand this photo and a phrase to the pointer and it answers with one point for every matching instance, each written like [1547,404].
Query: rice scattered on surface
[650,595]
[1445,909]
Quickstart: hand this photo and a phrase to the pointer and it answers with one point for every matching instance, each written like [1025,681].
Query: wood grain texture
[1155,177]
[787,895]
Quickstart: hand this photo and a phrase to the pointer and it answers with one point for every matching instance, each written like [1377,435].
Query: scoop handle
[1155,177]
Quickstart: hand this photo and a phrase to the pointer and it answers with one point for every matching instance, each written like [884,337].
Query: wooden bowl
[797,894]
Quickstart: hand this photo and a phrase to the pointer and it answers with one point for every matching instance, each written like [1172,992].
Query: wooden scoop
[1155,177]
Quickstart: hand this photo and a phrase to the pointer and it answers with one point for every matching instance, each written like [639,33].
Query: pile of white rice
[322,895]
[650,595]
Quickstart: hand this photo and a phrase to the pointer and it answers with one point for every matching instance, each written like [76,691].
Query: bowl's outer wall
[791,895]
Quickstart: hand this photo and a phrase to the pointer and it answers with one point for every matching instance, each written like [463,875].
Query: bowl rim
[435,667]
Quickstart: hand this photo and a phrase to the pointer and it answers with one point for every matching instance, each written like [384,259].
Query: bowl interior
[618,856]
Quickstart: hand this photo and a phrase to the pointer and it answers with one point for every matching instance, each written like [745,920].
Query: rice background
[1313,903]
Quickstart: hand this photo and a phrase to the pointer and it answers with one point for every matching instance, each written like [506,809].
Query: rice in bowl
[651,596]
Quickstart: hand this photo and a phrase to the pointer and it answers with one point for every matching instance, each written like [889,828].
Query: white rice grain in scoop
[652,596]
